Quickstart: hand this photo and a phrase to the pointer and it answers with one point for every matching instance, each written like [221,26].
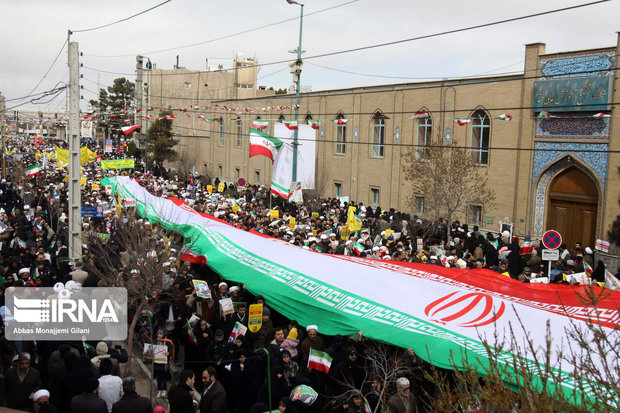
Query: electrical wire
[406,145]
[405,77]
[380,88]
[229,35]
[29,94]
[122,20]
[56,91]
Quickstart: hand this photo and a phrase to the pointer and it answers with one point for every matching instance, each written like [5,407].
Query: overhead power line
[29,94]
[122,20]
[229,35]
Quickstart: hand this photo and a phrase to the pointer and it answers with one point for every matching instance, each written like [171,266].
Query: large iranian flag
[446,315]
[263,144]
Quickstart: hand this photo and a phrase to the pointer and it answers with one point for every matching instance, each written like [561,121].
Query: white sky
[33,31]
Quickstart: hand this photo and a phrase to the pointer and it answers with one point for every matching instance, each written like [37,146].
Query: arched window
[341,134]
[239,134]
[424,133]
[378,134]
[221,140]
[480,137]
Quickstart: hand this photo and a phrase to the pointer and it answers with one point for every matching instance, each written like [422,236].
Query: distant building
[553,166]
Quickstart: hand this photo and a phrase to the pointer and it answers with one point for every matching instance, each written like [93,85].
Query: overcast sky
[33,32]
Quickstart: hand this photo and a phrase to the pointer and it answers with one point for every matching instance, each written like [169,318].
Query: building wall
[525,153]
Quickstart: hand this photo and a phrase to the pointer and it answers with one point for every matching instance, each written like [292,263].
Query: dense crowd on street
[205,369]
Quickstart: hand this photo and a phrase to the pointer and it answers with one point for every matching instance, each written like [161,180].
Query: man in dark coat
[20,383]
[89,401]
[131,402]
[214,396]
[180,396]
[403,401]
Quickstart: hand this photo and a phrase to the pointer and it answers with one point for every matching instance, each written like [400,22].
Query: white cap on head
[312,327]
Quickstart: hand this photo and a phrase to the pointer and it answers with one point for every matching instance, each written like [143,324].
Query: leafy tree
[281,91]
[160,141]
[112,101]
[448,180]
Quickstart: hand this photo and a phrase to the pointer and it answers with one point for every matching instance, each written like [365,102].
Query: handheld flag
[319,360]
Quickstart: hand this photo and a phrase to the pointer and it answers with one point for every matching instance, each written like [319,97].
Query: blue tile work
[553,160]
[553,151]
[593,64]
[578,127]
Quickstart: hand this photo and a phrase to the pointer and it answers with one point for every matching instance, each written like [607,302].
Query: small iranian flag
[587,268]
[260,124]
[544,114]
[319,248]
[21,243]
[33,170]
[263,144]
[190,333]
[339,121]
[602,115]
[238,330]
[196,107]
[210,119]
[147,117]
[291,124]
[170,117]
[314,124]
[504,116]
[421,114]
[253,216]
[128,129]
[358,248]
[462,121]
[279,190]
[319,360]
[189,115]
[88,115]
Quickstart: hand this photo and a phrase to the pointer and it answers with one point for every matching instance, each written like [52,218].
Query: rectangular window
[419,204]
[475,214]
[220,170]
[221,140]
[239,137]
[341,139]
[338,189]
[257,177]
[378,138]
[237,173]
[188,85]
[375,196]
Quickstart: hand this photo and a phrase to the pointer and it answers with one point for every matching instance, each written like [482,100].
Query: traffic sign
[241,182]
[550,255]
[552,239]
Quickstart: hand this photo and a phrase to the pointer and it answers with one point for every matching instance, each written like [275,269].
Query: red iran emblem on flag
[465,309]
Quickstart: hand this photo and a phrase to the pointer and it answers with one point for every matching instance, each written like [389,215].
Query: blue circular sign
[552,239]
[241,182]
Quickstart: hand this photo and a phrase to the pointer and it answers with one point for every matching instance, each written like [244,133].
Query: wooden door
[573,207]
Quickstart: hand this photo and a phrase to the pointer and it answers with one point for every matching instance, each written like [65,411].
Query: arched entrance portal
[573,204]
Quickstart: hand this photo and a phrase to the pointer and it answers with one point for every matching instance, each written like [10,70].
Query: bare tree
[448,180]
[132,258]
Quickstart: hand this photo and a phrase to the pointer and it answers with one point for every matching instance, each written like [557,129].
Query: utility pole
[139,70]
[2,126]
[147,86]
[75,201]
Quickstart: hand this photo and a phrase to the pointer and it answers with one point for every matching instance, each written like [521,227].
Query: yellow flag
[221,186]
[354,223]
[210,189]
[291,223]
[275,214]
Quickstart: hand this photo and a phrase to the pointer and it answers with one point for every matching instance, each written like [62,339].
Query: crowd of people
[223,371]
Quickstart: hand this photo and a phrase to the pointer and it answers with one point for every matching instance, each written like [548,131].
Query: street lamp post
[297,75]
